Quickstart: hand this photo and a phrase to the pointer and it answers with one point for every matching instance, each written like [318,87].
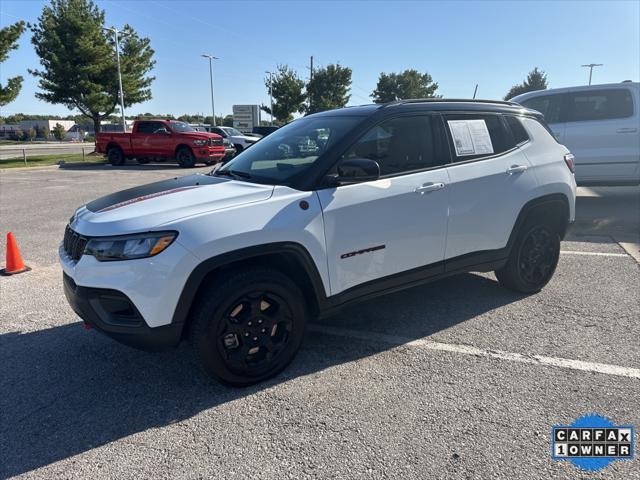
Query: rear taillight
[568,159]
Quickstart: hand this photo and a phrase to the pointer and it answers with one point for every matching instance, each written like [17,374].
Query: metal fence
[18,152]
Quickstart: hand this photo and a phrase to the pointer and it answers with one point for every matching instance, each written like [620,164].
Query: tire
[185,157]
[248,327]
[115,156]
[533,258]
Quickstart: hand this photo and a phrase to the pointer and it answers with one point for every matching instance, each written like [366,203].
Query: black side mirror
[355,170]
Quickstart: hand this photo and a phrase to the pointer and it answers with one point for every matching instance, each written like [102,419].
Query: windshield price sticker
[470,137]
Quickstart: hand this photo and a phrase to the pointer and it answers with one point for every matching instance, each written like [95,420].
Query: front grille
[215,142]
[73,243]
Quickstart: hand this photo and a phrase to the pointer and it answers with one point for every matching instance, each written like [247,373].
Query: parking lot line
[603,368]
[600,254]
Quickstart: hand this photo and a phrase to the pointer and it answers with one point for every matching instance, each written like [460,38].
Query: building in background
[245,117]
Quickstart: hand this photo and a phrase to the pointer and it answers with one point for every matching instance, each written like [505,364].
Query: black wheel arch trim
[294,250]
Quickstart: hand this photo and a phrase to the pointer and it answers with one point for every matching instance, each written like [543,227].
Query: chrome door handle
[516,169]
[429,187]
[627,130]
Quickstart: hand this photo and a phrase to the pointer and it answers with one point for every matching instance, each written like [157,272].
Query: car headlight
[200,143]
[128,247]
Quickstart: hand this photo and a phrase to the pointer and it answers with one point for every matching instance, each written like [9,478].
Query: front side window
[550,106]
[146,127]
[290,150]
[599,105]
[475,136]
[401,144]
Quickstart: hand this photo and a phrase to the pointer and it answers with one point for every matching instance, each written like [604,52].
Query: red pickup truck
[161,140]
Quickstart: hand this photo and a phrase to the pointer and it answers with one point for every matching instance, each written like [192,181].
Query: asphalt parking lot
[455,379]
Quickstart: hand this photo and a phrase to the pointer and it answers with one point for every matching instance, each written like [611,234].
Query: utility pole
[115,33]
[310,76]
[271,94]
[590,67]
[213,110]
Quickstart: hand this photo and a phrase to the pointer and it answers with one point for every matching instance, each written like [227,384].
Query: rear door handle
[429,187]
[627,130]
[516,169]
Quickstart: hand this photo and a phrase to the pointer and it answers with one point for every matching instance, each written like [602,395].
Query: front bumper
[209,153]
[114,314]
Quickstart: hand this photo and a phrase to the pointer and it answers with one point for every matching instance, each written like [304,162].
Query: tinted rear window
[599,105]
[517,130]
[549,106]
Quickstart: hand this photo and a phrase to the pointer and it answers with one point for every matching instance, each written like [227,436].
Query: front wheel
[249,327]
[533,259]
[185,157]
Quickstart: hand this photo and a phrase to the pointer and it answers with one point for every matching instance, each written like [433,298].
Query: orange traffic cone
[15,264]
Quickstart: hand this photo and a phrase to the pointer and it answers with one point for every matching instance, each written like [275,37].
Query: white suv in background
[238,139]
[385,197]
[600,124]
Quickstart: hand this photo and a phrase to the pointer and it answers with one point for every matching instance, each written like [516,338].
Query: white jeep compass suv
[333,208]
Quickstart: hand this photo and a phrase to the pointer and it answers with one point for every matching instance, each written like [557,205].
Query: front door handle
[429,187]
[516,169]
[627,130]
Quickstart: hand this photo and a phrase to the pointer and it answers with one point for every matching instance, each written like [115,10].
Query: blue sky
[460,44]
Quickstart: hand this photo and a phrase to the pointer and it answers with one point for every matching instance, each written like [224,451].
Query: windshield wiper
[232,173]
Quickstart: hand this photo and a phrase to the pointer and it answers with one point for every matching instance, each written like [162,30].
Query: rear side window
[517,130]
[145,127]
[402,144]
[599,105]
[475,136]
[550,106]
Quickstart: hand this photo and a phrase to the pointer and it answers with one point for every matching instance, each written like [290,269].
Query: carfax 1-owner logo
[592,442]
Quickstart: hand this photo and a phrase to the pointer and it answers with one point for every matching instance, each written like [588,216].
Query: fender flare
[293,250]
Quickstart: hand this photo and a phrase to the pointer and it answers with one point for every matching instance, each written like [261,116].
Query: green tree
[46,133]
[536,80]
[18,134]
[402,86]
[79,64]
[59,132]
[228,121]
[287,91]
[329,88]
[32,134]
[9,41]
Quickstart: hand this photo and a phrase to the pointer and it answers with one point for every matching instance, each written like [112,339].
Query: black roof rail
[449,100]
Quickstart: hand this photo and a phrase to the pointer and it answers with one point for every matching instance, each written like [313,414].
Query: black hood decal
[151,190]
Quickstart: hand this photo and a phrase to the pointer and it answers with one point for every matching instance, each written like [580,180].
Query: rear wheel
[115,156]
[248,328]
[185,157]
[533,259]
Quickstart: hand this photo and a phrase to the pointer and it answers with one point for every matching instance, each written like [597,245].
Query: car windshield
[234,132]
[289,150]
[181,127]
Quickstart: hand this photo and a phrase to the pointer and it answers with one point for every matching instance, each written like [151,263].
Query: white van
[599,124]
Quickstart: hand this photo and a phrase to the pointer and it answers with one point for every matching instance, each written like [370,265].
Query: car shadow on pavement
[66,391]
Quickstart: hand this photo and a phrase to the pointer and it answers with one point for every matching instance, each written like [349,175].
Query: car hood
[199,135]
[143,208]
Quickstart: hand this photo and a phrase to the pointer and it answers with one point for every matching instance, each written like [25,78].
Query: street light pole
[590,67]
[115,33]
[213,109]
[271,94]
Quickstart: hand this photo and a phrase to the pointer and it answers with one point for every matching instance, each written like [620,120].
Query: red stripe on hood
[146,197]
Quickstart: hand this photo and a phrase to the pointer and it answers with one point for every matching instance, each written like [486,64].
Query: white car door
[399,222]
[490,181]
[603,133]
